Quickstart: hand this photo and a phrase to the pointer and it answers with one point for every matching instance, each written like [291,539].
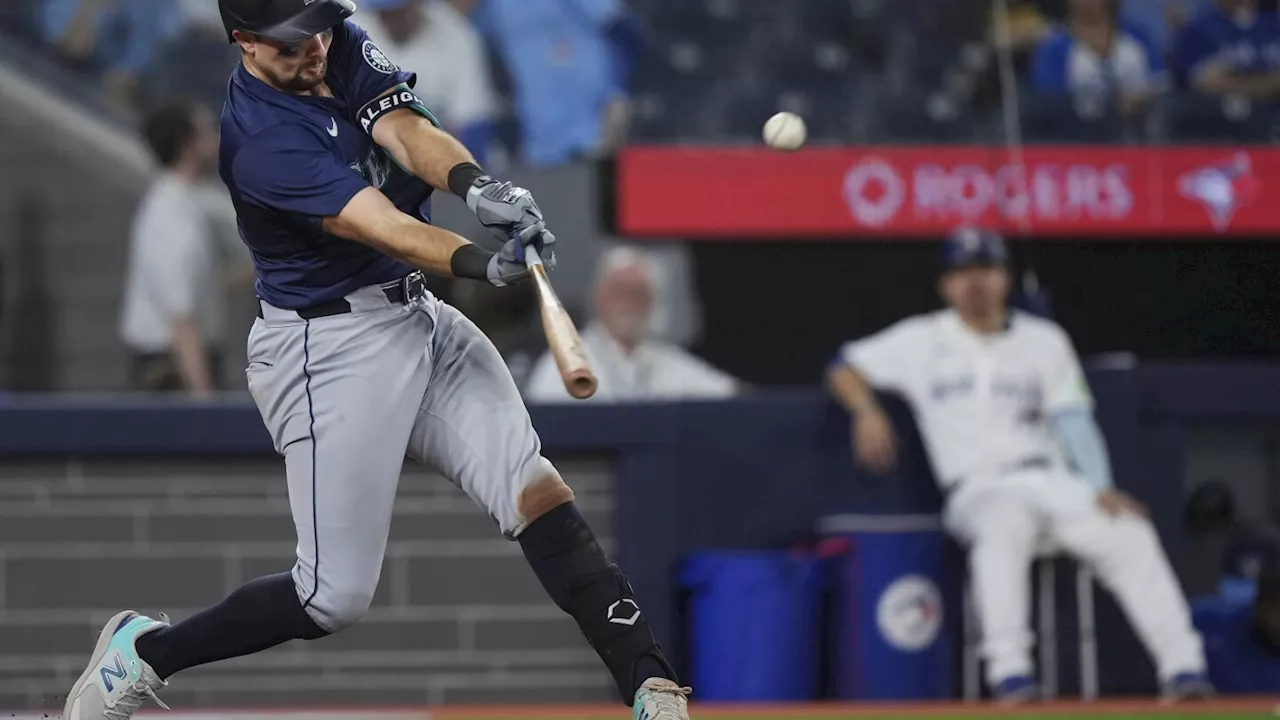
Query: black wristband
[470,262]
[462,176]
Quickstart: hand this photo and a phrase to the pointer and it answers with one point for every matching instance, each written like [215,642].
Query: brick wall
[458,616]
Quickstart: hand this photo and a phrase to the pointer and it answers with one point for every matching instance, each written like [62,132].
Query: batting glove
[507,266]
[506,210]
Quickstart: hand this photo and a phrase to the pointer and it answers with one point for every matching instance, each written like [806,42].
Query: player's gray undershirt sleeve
[1082,439]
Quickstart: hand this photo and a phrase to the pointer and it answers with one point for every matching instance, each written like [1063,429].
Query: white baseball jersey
[980,401]
[173,270]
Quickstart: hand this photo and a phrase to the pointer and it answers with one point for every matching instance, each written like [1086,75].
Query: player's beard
[303,80]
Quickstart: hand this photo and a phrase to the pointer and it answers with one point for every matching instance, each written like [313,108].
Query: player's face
[625,303]
[976,291]
[291,67]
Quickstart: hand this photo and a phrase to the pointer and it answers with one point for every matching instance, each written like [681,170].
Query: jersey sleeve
[289,168]
[363,69]
[886,359]
[1065,386]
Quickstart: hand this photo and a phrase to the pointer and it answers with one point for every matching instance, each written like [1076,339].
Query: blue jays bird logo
[1222,189]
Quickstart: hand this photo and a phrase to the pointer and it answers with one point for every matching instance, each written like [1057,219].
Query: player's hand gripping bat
[562,336]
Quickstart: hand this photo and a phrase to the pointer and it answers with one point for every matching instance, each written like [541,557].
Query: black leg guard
[580,579]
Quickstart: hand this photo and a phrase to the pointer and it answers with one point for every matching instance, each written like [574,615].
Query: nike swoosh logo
[333,130]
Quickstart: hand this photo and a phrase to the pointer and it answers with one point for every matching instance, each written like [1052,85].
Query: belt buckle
[413,286]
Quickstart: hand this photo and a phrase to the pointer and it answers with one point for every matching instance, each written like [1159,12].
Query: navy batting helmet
[974,247]
[288,21]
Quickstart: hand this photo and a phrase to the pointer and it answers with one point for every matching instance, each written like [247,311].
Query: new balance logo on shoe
[107,672]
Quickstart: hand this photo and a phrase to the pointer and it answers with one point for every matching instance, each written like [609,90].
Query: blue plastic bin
[890,624]
[754,624]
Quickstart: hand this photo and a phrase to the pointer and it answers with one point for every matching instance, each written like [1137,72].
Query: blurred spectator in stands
[172,315]
[435,40]
[1100,60]
[1236,549]
[629,365]
[1162,19]
[1031,22]
[116,38]
[1231,49]
[569,61]
[1242,637]
[195,62]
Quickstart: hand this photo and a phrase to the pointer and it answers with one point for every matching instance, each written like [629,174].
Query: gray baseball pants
[346,397]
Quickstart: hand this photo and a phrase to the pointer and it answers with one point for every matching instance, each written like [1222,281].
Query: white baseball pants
[1005,520]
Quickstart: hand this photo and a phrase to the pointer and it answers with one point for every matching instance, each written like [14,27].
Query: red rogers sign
[912,191]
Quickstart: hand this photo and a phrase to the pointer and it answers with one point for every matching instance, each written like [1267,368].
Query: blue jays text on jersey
[289,161]
[1023,393]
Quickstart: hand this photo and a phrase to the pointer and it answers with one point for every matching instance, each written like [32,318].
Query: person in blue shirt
[1242,637]
[1162,19]
[575,51]
[331,161]
[75,29]
[1231,48]
[1099,57]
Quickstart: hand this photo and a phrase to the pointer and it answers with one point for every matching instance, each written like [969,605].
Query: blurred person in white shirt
[446,51]
[629,364]
[172,318]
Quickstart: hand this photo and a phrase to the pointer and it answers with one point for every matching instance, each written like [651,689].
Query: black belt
[401,292]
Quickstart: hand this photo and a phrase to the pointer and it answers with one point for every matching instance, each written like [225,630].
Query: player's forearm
[428,248]
[421,148]
[1081,437]
[189,356]
[370,218]
[852,390]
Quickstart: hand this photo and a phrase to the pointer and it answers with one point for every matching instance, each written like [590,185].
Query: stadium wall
[658,478]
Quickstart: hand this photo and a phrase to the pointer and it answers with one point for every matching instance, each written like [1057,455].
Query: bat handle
[531,257]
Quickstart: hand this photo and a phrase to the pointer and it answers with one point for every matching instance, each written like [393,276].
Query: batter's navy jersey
[292,160]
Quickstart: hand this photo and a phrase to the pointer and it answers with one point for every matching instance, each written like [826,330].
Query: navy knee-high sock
[260,615]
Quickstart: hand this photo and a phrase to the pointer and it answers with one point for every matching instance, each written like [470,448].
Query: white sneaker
[661,699]
[117,681]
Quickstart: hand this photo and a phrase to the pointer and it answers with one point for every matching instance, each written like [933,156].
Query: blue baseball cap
[974,247]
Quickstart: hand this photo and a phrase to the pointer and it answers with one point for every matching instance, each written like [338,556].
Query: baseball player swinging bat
[332,162]
[562,336]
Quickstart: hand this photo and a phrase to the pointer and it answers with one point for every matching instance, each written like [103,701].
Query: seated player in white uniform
[1007,419]
[630,365]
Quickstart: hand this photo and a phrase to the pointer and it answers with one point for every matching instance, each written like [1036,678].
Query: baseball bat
[562,336]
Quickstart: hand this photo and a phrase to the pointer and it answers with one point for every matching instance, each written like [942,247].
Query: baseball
[785,131]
